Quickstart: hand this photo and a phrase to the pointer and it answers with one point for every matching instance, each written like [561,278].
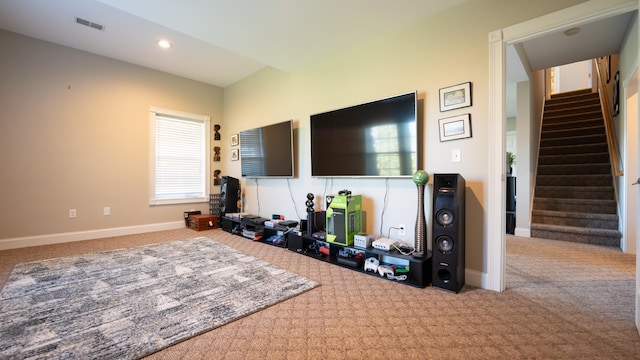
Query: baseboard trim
[476,278]
[28,241]
[523,232]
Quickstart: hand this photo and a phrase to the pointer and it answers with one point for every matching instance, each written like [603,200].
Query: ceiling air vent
[89,24]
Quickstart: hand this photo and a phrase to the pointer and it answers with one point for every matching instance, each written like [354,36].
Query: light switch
[455,155]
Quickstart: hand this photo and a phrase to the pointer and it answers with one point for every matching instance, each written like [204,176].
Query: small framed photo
[235,154]
[455,97]
[234,140]
[455,127]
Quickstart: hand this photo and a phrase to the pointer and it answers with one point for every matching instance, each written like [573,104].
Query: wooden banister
[614,154]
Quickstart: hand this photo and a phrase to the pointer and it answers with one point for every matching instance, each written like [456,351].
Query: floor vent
[90,24]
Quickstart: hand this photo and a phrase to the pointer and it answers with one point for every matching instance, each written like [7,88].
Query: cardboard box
[344,218]
[203,222]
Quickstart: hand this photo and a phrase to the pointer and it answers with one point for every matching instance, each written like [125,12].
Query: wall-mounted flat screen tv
[375,139]
[267,151]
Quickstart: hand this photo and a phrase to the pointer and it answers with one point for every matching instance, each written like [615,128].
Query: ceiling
[220,42]
[590,40]
[216,41]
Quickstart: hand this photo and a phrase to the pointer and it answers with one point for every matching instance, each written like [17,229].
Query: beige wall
[74,134]
[448,49]
[74,126]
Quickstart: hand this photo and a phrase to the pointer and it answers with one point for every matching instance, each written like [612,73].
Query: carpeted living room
[99,258]
[563,301]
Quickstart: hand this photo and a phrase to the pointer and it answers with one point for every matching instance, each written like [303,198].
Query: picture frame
[234,140]
[455,97]
[235,154]
[455,127]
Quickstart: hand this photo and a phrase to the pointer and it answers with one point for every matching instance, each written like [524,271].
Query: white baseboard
[523,232]
[28,241]
[475,278]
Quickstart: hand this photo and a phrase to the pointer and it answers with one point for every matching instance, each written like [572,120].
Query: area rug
[128,303]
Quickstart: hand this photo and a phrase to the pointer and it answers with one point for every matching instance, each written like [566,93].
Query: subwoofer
[448,232]
[229,195]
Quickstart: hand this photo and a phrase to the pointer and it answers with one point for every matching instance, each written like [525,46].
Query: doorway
[498,42]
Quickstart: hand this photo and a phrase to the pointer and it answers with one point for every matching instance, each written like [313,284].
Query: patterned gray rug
[128,303]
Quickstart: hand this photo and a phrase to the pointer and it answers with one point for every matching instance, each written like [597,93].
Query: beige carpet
[564,301]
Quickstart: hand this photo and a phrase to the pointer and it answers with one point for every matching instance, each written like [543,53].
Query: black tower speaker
[229,195]
[448,232]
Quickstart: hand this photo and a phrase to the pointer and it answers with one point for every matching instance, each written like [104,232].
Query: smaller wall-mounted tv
[267,151]
[375,139]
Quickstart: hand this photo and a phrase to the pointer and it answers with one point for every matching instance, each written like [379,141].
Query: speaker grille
[444,244]
[444,217]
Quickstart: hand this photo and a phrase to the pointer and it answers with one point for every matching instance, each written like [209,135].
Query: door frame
[498,41]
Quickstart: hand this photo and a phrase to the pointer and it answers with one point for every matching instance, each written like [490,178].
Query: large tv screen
[375,139]
[267,151]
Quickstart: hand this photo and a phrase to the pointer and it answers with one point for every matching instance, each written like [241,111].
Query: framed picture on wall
[234,140]
[455,97]
[235,154]
[455,127]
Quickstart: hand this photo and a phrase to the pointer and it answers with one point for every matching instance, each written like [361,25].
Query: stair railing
[614,154]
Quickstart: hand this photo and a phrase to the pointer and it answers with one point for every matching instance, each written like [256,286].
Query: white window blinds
[179,154]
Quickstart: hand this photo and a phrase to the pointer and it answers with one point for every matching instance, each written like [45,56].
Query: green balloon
[420,177]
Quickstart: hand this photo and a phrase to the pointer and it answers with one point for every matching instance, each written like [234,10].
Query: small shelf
[418,275]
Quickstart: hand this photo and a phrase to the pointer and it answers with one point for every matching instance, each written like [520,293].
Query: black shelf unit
[240,228]
[419,274]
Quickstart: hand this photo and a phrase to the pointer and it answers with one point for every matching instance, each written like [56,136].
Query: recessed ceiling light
[165,44]
[572,31]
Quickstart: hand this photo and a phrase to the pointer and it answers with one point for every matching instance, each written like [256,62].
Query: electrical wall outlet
[403,230]
[72,213]
[106,211]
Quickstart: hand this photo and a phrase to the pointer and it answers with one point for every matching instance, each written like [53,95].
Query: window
[179,157]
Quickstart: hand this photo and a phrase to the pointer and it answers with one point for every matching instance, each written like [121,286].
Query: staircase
[574,196]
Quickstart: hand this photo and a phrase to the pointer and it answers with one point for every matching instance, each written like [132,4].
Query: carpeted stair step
[573,124]
[550,120]
[564,133]
[598,206]
[574,180]
[602,237]
[575,192]
[574,159]
[571,94]
[574,149]
[575,106]
[571,110]
[579,99]
[574,140]
[575,169]
[589,220]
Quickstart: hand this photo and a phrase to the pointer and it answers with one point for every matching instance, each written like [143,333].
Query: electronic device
[253,220]
[448,257]
[362,241]
[288,223]
[344,218]
[267,151]
[385,244]
[229,194]
[342,140]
